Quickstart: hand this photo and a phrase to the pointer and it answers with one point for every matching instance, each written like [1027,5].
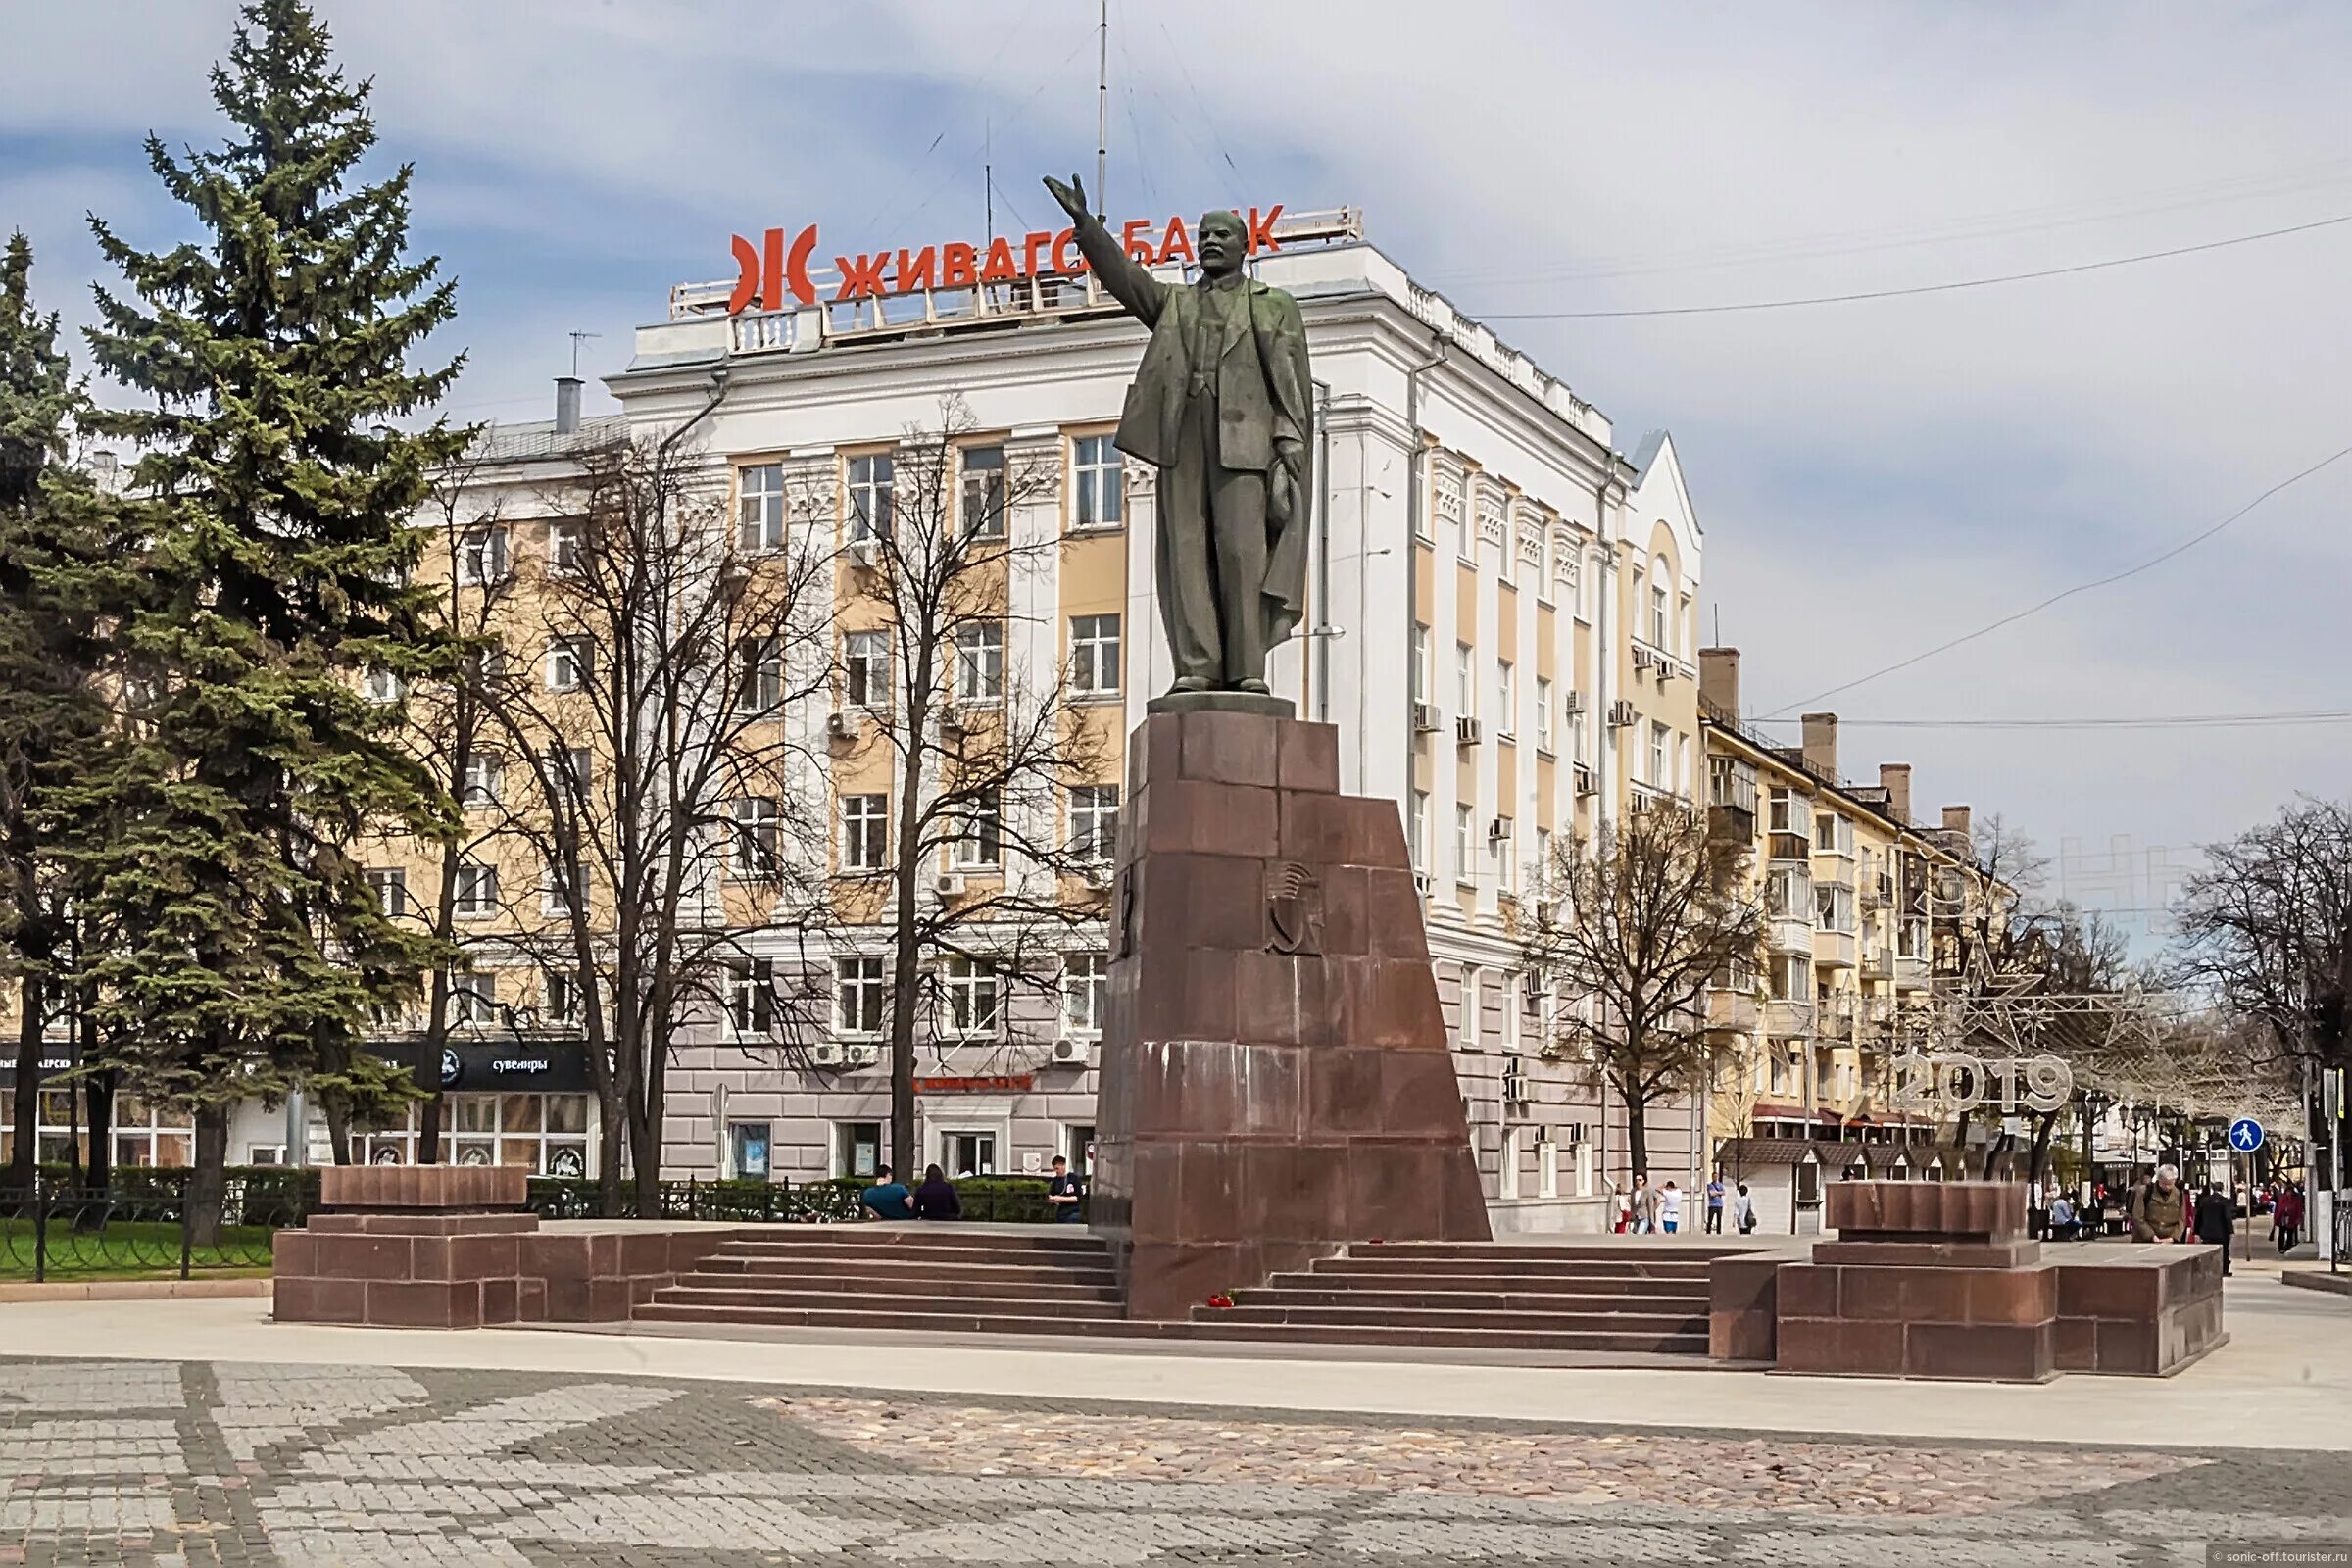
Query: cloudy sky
[1873,477]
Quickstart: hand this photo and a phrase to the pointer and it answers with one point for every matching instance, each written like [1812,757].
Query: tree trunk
[906,957]
[23,1163]
[98,1100]
[645,1142]
[208,1181]
[611,1158]
[1637,1134]
[339,1127]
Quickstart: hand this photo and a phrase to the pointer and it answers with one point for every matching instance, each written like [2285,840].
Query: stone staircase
[1593,1297]
[1597,1298]
[945,1279]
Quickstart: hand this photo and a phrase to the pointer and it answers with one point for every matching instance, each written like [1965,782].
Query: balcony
[1834,950]
[1787,1019]
[1910,973]
[1732,824]
[1790,933]
[1732,1012]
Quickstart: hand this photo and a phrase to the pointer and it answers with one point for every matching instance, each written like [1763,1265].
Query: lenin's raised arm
[1128,283]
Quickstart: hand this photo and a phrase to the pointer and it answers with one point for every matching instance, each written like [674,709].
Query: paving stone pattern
[156,1463]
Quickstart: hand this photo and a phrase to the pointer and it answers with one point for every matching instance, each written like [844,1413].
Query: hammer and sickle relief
[1294,908]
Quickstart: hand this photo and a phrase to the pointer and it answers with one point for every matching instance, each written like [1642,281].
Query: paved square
[310,1466]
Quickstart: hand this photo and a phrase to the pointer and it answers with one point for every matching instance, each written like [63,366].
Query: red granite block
[1393,916]
[566,1299]
[1997,1352]
[318,1300]
[500,1298]
[364,1257]
[2012,1295]
[1834,1346]
[530,1300]
[1308,757]
[1265,1000]
[1188,816]
[476,1258]
[2122,1290]
[1230,747]
[2075,1344]
[1805,1289]
[427,1187]
[424,1304]
[608,1300]
[292,1252]
[2127,1346]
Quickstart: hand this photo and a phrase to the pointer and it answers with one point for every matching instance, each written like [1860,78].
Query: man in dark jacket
[2216,1221]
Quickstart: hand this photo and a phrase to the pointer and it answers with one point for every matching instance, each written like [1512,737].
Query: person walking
[2286,1217]
[2160,1208]
[1743,1211]
[2216,1222]
[1714,1224]
[936,1199]
[1645,1206]
[1670,1209]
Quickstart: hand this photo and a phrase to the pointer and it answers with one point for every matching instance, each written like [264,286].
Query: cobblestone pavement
[112,1462]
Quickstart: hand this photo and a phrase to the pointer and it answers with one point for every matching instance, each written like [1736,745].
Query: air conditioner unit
[1537,983]
[1466,731]
[1664,667]
[839,724]
[1423,882]
[1643,659]
[951,720]
[1072,1052]
[1576,703]
[1425,718]
[1498,830]
[1575,1132]
[1515,1082]
[830,1055]
[1620,713]
[1547,912]
[1586,782]
[948,884]
[863,553]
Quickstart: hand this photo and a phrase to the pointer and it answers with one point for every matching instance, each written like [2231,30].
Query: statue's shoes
[1192,683]
[1258,686]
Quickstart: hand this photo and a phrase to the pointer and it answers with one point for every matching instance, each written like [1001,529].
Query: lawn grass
[128,1250]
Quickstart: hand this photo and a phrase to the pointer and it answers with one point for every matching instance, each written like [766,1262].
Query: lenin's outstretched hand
[1071,196]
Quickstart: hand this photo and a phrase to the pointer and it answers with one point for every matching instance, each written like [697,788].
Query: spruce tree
[276,352]
[47,702]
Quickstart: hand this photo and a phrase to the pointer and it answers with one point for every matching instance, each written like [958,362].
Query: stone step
[1588,1341]
[847,1252]
[1381,1262]
[969,1316]
[1285,1291]
[1625,1252]
[854,1289]
[925,1306]
[918,1238]
[1338,1276]
[1503,1326]
[896,1274]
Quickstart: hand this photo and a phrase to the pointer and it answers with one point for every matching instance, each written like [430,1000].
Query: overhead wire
[1947,288]
[2062,595]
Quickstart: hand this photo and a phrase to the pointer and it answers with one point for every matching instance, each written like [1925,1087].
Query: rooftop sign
[775,270]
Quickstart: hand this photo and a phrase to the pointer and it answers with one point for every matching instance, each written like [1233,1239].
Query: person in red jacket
[2286,1216]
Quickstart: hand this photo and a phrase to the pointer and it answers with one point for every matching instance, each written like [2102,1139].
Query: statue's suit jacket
[1264,397]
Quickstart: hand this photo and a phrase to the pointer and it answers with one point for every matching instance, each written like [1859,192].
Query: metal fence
[146,1226]
[834,1201]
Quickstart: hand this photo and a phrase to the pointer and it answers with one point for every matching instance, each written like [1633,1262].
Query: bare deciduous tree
[988,860]
[1633,929]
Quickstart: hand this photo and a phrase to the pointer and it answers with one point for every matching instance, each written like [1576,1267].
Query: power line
[1920,288]
[2079,588]
[2147,722]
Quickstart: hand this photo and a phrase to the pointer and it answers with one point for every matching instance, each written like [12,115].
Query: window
[566,540]
[1094,653]
[1416,831]
[857,995]
[1465,679]
[569,664]
[1094,821]
[869,497]
[1682,765]
[1659,776]
[1781,812]
[1098,474]
[753,843]
[1420,672]
[381,685]
[473,998]
[1834,902]
[555,889]
[485,668]
[1085,992]
[477,890]
[1833,834]
[1463,863]
[560,993]
[865,668]
[482,770]
[1661,605]
[980,662]
[574,768]
[982,840]
[1500,843]
[482,556]
[751,997]
[1542,856]
[864,831]
[984,492]
[971,995]
[857,1148]
[760,507]
[1543,714]
[390,884]
[758,674]
[749,1144]
[1788,892]
[1507,697]
[1576,750]
[1466,1025]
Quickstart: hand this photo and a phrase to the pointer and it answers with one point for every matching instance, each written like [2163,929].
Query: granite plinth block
[1949,1211]
[456,1188]
[1276,1080]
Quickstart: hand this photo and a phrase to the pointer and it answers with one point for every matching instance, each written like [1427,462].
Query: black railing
[991,1199]
[144,1225]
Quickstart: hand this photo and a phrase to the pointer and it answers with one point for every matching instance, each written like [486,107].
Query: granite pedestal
[1276,1078]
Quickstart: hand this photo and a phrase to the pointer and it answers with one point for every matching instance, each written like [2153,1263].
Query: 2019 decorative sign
[1954,1081]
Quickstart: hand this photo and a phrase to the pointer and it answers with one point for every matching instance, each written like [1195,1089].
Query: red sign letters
[773,271]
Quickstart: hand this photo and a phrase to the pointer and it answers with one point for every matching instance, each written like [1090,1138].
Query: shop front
[527,1104]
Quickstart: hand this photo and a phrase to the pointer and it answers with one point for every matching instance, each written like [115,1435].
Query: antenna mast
[1102,107]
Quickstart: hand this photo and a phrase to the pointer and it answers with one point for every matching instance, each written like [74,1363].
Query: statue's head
[1222,242]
